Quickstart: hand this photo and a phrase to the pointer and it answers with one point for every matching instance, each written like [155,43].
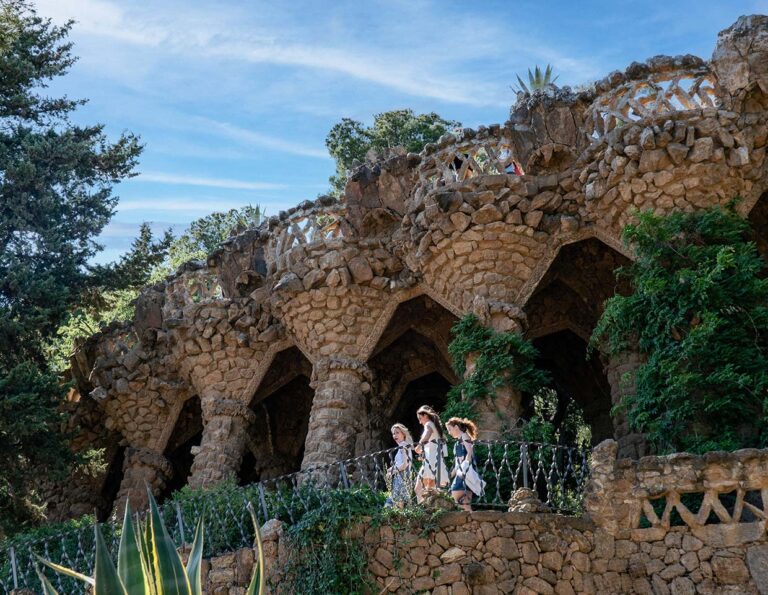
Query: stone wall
[416,241]
[608,551]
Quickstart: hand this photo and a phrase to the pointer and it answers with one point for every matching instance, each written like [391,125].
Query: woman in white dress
[467,483]
[400,471]
[432,449]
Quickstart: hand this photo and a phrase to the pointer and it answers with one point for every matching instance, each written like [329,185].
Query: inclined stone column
[500,413]
[142,468]
[225,435]
[338,410]
[620,370]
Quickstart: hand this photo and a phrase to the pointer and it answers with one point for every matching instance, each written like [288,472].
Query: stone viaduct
[300,341]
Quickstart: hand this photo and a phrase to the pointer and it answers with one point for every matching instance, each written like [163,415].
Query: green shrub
[698,313]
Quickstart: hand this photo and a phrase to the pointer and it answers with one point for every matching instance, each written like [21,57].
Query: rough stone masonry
[301,340]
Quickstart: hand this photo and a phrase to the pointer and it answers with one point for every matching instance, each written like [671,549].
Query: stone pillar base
[225,435]
[143,468]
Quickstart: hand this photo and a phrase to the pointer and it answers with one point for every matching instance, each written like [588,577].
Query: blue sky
[233,99]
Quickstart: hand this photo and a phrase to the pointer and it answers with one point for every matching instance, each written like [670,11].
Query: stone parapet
[492,553]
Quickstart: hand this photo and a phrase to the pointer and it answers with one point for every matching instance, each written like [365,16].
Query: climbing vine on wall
[503,359]
[698,313]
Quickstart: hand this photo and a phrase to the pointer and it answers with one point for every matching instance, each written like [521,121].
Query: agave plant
[537,79]
[148,563]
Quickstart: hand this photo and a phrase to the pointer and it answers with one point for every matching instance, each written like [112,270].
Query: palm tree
[537,79]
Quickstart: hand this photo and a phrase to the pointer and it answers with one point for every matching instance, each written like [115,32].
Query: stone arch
[562,311]
[538,276]
[399,300]
[182,444]
[281,407]
[411,367]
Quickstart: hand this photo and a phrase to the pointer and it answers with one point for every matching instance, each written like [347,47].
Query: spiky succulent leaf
[66,571]
[130,568]
[170,575]
[258,579]
[105,577]
[195,560]
[522,84]
[47,586]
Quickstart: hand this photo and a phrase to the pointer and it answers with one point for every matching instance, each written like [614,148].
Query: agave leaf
[522,84]
[170,576]
[106,579]
[259,578]
[66,571]
[144,539]
[195,559]
[130,568]
[47,586]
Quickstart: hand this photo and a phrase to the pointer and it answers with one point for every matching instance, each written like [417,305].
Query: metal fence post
[180,520]
[13,568]
[344,476]
[263,500]
[524,462]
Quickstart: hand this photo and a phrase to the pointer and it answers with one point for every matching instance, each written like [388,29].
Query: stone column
[499,413]
[607,494]
[620,371]
[338,410]
[225,435]
[142,468]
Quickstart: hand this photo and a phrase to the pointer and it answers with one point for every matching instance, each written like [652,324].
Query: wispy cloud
[252,137]
[187,180]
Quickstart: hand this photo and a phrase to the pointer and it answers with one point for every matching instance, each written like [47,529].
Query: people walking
[432,448]
[400,471]
[467,483]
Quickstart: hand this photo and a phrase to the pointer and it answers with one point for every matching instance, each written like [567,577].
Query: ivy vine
[503,359]
[698,313]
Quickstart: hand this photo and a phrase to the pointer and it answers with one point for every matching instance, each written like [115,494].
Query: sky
[233,100]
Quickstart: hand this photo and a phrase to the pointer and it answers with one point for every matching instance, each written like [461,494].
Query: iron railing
[557,473]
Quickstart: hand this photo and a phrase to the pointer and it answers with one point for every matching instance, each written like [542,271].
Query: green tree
[698,312]
[349,140]
[56,182]
[205,234]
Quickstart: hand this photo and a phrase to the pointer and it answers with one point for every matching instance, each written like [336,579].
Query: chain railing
[556,473]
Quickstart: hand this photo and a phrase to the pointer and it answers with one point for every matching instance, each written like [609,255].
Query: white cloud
[263,140]
[187,180]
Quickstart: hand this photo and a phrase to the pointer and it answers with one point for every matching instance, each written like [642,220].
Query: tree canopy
[56,196]
[350,140]
[698,313]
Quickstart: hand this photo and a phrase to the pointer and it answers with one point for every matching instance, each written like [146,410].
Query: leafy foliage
[205,234]
[537,79]
[503,359]
[349,140]
[546,426]
[56,182]
[698,313]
